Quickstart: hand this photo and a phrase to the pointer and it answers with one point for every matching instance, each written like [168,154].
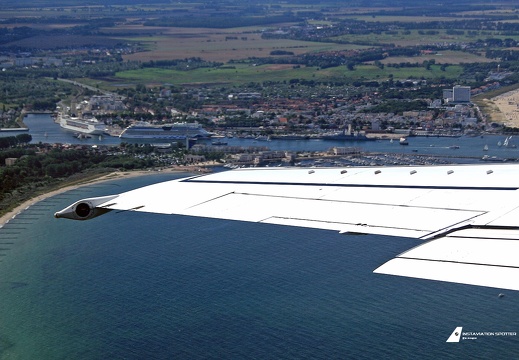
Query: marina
[43,129]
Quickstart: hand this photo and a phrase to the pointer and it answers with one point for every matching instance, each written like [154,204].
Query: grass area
[243,74]
[399,18]
[493,93]
[415,38]
[444,57]
[373,73]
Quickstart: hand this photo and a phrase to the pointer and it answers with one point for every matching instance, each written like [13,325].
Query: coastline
[4,219]
[508,105]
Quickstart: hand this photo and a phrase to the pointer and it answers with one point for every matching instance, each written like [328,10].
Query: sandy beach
[108,177]
[111,176]
[508,105]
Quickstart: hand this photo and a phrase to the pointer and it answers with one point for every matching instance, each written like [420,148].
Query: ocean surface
[145,286]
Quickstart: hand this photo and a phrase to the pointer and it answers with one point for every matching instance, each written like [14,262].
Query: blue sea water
[144,286]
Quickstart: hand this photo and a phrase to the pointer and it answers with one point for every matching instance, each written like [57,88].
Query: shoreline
[4,219]
[508,105]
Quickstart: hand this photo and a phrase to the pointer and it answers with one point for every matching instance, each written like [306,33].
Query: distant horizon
[354,3]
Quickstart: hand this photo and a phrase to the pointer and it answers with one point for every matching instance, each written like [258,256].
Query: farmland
[127,46]
[221,45]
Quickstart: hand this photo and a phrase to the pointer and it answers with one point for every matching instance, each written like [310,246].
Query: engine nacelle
[86,209]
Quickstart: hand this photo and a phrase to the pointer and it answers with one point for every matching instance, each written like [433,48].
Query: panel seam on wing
[340,223]
[332,184]
[455,262]
[476,212]
[480,237]
[212,199]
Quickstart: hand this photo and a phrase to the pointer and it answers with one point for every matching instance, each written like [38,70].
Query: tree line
[39,166]
[10,141]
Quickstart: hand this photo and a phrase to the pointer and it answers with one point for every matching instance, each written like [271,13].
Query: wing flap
[344,228]
[485,257]
[335,205]
[423,197]
[470,274]
[327,214]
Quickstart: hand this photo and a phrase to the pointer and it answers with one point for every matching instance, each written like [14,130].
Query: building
[461,94]
[447,95]
[458,95]
[10,161]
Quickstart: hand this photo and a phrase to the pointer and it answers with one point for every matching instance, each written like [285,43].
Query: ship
[175,131]
[290,137]
[83,125]
[347,135]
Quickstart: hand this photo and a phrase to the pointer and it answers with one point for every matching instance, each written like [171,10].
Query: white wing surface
[467,214]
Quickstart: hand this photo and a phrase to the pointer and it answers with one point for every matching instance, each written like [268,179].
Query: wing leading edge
[466,213]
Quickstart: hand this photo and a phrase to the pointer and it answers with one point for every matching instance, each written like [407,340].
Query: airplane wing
[465,215]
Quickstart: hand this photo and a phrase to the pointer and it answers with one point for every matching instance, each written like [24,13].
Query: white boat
[89,126]
[508,144]
[263,138]
[176,131]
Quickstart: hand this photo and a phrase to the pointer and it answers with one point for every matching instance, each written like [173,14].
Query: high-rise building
[461,94]
[458,94]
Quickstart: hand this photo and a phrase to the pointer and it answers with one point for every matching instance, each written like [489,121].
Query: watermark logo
[456,335]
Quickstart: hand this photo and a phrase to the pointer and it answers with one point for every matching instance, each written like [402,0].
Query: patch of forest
[38,168]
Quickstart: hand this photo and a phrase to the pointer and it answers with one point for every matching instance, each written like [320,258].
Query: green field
[243,74]
[400,38]
[443,57]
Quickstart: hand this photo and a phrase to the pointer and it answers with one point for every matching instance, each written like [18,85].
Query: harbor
[43,129]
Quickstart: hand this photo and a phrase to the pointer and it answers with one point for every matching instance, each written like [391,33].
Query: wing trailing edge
[483,256]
